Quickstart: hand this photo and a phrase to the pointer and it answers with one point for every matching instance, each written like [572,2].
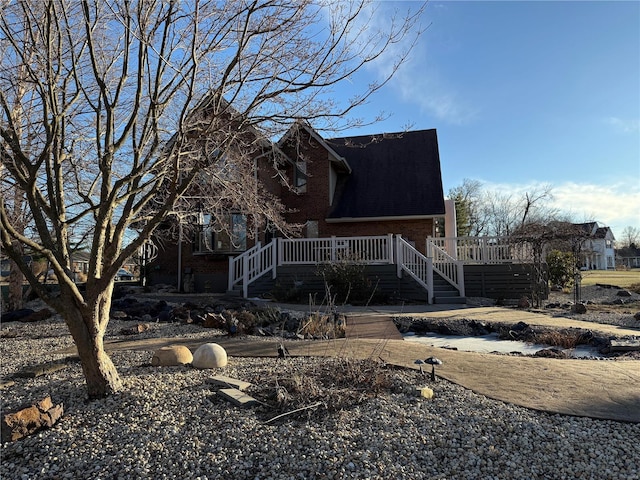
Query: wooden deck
[372,326]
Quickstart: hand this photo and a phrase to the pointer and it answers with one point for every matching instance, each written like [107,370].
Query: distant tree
[101,102]
[481,211]
[630,236]
[466,198]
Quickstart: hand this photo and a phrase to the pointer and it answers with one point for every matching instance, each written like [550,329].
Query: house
[373,200]
[365,185]
[628,257]
[597,250]
[352,187]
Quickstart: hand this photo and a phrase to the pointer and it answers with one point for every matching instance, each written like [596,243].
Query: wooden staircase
[444,292]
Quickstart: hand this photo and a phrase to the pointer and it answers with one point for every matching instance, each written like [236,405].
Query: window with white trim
[229,237]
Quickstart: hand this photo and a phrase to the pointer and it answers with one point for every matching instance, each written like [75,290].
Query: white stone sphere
[209,355]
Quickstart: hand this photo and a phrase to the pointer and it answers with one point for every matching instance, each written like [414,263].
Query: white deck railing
[305,251]
[486,250]
[415,264]
[259,260]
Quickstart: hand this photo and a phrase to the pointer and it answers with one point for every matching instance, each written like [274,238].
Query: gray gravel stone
[168,424]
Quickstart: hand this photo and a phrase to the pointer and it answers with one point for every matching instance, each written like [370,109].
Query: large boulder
[209,355]
[172,356]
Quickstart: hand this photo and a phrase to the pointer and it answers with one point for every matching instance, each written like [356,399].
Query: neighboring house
[628,257]
[597,250]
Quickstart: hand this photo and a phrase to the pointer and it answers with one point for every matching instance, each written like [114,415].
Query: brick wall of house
[314,203]
[210,271]
[414,231]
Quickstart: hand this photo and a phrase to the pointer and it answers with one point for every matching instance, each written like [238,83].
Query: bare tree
[630,236]
[493,212]
[537,237]
[131,102]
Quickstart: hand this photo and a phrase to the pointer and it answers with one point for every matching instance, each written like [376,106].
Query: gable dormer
[316,168]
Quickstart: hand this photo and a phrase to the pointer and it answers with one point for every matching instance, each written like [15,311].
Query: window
[229,237]
[312,229]
[300,176]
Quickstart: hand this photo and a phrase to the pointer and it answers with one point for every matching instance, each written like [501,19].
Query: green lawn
[620,278]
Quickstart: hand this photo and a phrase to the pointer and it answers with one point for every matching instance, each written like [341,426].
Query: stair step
[449,300]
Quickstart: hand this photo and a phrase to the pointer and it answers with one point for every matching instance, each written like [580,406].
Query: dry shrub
[560,338]
[336,383]
[321,325]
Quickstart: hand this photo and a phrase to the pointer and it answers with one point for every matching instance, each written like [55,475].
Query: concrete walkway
[608,389]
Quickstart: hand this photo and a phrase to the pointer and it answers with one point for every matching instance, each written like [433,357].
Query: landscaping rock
[551,353]
[210,355]
[26,421]
[238,398]
[17,315]
[172,356]
[580,308]
[38,316]
[623,293]
[135,330]
[40,369]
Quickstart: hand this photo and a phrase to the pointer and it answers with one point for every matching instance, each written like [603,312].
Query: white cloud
[418,81]
[615,205]
[623,125]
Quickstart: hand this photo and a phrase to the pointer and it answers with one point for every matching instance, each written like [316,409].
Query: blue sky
[524,94]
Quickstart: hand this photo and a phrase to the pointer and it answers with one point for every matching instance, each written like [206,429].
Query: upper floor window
[230,236]
[300,176]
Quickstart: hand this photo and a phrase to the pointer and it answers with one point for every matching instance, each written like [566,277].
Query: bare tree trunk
[16,280]
[87,329]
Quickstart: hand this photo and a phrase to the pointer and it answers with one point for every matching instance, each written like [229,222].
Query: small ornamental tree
[101,126]
[561,268]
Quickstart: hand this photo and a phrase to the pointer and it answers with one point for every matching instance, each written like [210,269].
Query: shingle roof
[393,175]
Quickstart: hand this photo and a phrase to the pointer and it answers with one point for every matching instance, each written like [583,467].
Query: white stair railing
[415,264]
[251,265]
[446,266]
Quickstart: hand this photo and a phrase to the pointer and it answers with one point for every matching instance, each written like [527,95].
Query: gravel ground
[367,422]
[604,305]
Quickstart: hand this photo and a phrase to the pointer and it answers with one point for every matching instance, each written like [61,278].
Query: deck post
[429,280]
[274,258]
[399,259]
[245,276]
[460,277]
[390,248]
[280,252]
[231,274]
[333,248]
